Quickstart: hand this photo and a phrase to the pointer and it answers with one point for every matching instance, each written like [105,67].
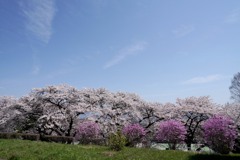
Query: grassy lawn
[31,150]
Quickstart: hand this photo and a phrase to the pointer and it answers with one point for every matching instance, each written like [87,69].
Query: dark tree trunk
[189,146]
[70,127]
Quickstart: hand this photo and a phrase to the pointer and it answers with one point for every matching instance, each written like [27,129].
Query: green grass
[32,150]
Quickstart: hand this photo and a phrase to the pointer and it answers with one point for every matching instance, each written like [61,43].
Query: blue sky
[158,49]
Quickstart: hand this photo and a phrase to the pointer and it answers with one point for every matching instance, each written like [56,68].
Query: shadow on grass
[213,157]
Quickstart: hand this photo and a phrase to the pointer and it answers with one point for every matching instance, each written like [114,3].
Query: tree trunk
[189,146]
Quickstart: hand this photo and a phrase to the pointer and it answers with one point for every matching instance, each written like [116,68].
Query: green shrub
[117,141]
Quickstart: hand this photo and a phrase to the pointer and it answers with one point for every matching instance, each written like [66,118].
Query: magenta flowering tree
[87,132]
[134,134]
[172,132]
[220,134]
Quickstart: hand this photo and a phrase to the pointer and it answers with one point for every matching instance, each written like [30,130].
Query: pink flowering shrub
[220,134]
[87,131]
[172,132]
[134,134]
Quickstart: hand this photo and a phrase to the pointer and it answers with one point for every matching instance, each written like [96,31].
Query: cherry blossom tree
[11,114]
[151,113]
[232,110]
[58,108]
[116,110]
[6,101]
[192,112]
[169,111]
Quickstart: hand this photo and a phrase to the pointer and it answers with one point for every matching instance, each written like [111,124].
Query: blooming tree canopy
[55,110]
[134,133]
[172,132]
[11,114]
[58,107]
[220,134]
[87,131]
[114,110]
[232,110]
[150,115]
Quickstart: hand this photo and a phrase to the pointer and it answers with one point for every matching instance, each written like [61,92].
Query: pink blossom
[219,134]
[87,131]
[134,133]
[172,132]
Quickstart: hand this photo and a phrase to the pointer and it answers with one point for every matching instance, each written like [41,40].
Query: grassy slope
[29,150]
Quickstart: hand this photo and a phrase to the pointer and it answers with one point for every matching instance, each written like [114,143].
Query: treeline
[58,110]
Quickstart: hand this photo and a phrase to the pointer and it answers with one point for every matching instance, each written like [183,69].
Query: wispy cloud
[183,30]
[126,52]
[205,79]
[39,16]
[233,17]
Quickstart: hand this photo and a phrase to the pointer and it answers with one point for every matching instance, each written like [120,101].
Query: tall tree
[54,109]
[235,87]
[192,112]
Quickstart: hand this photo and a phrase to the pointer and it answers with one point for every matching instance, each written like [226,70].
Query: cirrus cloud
[204,79]
[39,15]
[124,53]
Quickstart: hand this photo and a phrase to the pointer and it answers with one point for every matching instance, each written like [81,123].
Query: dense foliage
[220,134]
